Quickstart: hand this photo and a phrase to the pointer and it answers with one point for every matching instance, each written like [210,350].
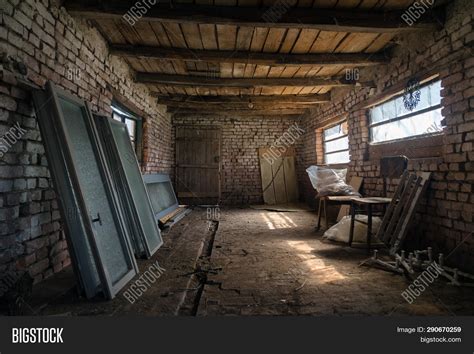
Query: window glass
[133,125]
[391,120]
[336,144]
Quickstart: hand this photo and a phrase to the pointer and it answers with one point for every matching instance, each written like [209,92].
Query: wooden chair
[400,212]
[345,201]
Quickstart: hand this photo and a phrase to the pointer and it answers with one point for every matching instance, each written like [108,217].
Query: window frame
[138,125]
[406,116]
[97,276]
[324,141]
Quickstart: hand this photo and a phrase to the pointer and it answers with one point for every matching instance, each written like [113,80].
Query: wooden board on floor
[288,207]
[278,172]
[290,179]
[267,185]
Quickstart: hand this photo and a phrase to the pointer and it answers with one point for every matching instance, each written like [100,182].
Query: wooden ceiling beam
[358,59]
[238,106]
[183,80]
[245,99]
[238,112]
[341,20]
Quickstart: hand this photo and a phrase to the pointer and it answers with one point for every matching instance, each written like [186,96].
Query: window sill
[416,147]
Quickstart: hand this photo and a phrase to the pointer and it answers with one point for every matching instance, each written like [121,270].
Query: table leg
[319,216]
[369,227]
[351,232]
[325,214]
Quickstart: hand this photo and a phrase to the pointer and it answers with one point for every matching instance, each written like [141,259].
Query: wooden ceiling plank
[180,67]
[330,71]
[249,70]
[135,64]
[258,40]
[208,35]
[161,34]
[261,71]
[380,42]
[192,35]
[356,42]
[305,91]
[146,34]
[238,70]
[110,31]
[327,42]
[226,37]
[274,40]
[289,72]
[305,41]
[270,91]
[175,35]
[128,32]
[276,71]
[290,39]
[313,71]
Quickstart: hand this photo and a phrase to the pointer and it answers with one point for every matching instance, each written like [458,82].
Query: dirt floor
[257,262]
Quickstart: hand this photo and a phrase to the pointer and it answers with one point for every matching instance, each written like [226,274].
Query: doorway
[198,165]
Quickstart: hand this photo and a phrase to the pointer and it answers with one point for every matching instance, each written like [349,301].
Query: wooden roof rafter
[344,20]
[185,80]
[258,58]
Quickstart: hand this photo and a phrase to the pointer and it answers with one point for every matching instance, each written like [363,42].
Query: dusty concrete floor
[255,262]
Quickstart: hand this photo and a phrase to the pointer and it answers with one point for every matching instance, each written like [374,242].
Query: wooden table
[367,203]
[339,199]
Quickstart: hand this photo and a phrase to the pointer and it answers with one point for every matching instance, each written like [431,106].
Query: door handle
[97,219]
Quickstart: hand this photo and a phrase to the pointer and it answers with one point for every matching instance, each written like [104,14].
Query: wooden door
[198,151]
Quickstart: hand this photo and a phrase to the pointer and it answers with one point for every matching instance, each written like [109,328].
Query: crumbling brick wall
[51,45]
[445,217]
[241,137]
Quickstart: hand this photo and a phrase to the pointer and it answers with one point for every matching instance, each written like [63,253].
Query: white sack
[340,231]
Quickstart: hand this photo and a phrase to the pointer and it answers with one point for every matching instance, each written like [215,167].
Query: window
[391,120]
[134,126]
[336,144]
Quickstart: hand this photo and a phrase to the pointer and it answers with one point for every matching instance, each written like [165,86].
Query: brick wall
[241,182]
[54,46]
[445,217]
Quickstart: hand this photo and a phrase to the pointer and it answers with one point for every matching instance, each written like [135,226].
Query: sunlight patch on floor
[318,270]
[278,221]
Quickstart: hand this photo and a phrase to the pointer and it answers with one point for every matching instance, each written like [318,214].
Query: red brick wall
[445,217]
[54,46]
[241,183]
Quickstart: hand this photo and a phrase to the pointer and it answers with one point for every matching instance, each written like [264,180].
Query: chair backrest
[400,212]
